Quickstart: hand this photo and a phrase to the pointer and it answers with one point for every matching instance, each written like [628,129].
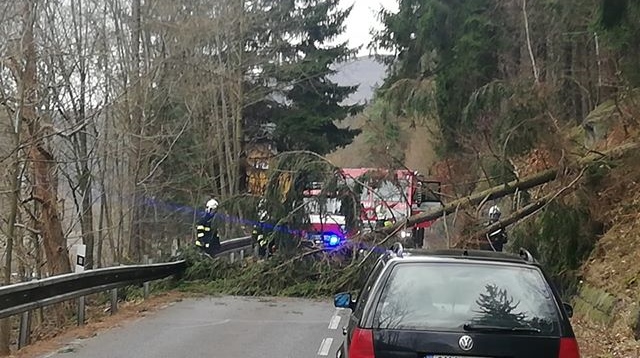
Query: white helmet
[494,212]
[212,205]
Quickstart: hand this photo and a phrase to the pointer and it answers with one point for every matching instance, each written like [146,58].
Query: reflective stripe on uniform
[200,234]
[207,245]
[200,227]
[198,243]
[207,229]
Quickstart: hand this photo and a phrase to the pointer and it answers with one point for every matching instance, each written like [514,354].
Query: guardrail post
[242,255]
[145,285]
[25,329]
[81,311]
[232,256]
[114,301]
[114,297]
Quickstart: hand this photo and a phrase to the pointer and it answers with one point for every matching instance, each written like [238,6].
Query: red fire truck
[327,222]
[392,195]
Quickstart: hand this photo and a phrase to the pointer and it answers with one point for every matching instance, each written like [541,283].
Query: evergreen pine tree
[313,102]
[454,41]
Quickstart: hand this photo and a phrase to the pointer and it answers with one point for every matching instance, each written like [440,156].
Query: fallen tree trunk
[511,219]
[520,214]
[509,188]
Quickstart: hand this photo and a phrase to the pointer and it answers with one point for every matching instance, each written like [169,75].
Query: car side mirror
[343,300]
[569,309]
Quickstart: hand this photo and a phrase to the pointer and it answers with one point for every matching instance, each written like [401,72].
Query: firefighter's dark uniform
[207,234]
[261,236]
[495,242]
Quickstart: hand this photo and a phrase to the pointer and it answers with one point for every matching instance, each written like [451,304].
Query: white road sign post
[81,251]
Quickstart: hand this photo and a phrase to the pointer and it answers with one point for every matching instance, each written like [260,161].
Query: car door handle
[344,330]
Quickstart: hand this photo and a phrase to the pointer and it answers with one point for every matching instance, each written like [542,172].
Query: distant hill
[363,71]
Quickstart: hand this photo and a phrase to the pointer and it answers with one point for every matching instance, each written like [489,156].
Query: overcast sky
[363,19]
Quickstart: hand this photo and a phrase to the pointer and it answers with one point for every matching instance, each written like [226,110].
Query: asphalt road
[223,327]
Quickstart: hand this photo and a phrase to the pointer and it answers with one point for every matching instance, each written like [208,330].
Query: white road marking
[325,346]
[335,321]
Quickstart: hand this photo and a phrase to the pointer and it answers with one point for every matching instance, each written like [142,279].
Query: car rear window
[446,296]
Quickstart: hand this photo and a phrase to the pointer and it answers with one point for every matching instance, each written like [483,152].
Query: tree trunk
[135,161]
[100,234]
[239,102]
[536,74]
[14,185]
[42,160]
[85,182]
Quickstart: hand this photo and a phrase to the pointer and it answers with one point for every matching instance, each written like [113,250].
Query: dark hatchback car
[457,304]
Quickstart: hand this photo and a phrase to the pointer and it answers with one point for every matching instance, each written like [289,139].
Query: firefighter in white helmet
[494,213]
[206,230]
[496,239]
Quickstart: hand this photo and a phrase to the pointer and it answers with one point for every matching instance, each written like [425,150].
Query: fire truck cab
[327,222]
[393,195]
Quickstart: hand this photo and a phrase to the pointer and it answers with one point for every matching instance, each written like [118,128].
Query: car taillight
[361,344]
[569,348]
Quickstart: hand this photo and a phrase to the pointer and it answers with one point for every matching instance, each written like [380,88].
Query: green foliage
[412,98]
[313,101]
[595,174]
[272,64]
[613,13]
[476,53]
[457,41]
[499,171]
[317,276]
[510,116]
[562,237]
[521,126]
[289,176]
[385,139]
[619,22]
[200,267]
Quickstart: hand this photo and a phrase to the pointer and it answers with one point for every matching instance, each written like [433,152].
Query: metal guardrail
[233,246]
[27,296]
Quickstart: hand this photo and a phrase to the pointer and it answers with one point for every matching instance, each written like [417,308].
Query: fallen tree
[511,219]
[500,191]
[520,214]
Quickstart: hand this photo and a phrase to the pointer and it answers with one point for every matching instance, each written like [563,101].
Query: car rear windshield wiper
[490,328]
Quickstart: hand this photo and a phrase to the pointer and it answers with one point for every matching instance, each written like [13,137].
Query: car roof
[398,253]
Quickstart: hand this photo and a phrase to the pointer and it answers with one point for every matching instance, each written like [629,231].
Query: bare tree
[38,130]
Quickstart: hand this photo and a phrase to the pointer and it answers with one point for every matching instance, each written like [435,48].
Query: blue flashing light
[334,240]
